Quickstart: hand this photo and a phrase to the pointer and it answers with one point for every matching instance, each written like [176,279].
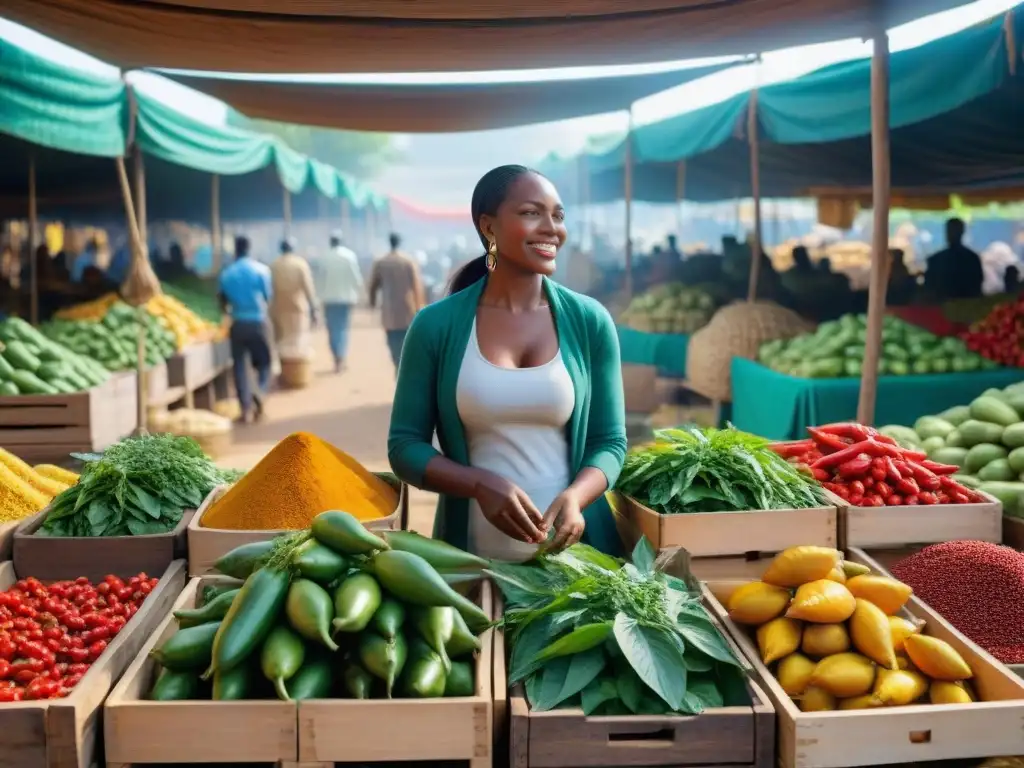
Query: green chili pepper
[187,649]
[215,610]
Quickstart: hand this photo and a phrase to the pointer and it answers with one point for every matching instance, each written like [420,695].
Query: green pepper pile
[333,612]
[114,340]
[836,350]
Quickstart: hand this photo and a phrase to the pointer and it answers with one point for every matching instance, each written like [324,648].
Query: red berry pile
[51,633]
[1000,334]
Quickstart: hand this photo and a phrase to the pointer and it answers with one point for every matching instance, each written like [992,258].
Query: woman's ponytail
[470,273]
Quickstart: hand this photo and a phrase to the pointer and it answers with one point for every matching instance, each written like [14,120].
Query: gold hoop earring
[491,260]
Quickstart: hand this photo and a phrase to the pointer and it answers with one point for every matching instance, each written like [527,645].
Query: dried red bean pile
[977,587]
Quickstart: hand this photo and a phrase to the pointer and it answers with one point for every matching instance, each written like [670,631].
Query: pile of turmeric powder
[301,477]
[25,490]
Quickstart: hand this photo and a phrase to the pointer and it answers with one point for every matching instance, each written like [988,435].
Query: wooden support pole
[287,211]
[680,196]
[33,235]
[880,227]
[140,198]
[216,236]
[627,184]
[757,236]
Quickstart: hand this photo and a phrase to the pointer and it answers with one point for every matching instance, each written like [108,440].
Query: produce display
[114,340]
[334,611]
[840,641]
[190,422]
[52,633]
[198,295]
[300,477]
[31,364]
[836,350]
[670,308]
[186,327]
[869,468]
[588,630]
[141,485]
[998,336]
[693,469]
[26,490]
[977,587]
[985,439]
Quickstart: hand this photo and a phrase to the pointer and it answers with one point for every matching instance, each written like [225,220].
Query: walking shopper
[245,292]
[341,284]
[293,306]
[397,278]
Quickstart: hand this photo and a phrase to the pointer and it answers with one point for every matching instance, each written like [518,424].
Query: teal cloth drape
[781,407]
[665,351]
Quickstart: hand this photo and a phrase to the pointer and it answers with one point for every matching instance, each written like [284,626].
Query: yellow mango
[837,575]
[888,594]
[937,658]
[778,638]
[900,628]
[823,602]
[844,675]
[902,662]
[817,699]
[794,673]
[897,688]
[799,565]
[854,569]
[943,692]
[757,602]
[871,635]
[825,639]
[867,701]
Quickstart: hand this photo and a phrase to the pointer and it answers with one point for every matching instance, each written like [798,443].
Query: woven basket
[737,330]
[296,373]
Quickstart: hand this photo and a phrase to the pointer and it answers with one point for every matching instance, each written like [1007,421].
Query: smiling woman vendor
[521,380]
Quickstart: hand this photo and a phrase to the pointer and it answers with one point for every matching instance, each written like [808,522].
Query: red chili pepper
[850,452]
[927,479]
[856,500]
[885,439]
[940,469]
[851,430]
[894,500]
[826,442]
[96,649]
[873,500]
[855,467]
[842,492]
[943,497]
[912,500]
[785,450]
[882,489]
[959,498]
[856,487]
[11,694]
[913,455]
[890,469]
[878,474]
[902,468]
[927,497]
[908,487]
[819,474]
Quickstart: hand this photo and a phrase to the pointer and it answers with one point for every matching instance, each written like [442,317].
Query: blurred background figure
[396,277]
[341,287]
[293,306]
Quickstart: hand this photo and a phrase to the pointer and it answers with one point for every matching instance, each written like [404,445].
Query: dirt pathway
[350,410]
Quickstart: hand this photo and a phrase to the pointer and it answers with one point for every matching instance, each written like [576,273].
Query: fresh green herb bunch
[590,631]
[138,486]
[690,469]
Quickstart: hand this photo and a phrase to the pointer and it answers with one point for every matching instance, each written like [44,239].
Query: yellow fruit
[779,637]
[799,565]
[854,569]
[825,639]
[899,628]
[794,673]
[844,675]
[757,602]
[823,602]
[837,575]
[888,594]
[936,658]
[943,692]
[867,701]
[902,662]
[897,688]
[817,700]
[871,635]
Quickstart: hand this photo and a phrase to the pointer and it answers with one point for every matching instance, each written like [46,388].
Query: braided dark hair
[489,194]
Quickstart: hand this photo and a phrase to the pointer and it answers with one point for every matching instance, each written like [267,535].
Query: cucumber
[1016,401]
[1016,460]
[997,470]
[932,426]
[956,415]
[974,432]
[8,388]
[954,440]
[30,384]
[986,408]
[1013,436]
[20,357]
[51,371]
[6,369]
[952,455]
[982,454]
[1008,493]
[63,387]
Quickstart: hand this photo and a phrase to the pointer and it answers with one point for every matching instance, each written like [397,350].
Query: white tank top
[515,421]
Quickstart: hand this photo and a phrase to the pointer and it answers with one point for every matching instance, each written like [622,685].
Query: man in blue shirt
[245,292]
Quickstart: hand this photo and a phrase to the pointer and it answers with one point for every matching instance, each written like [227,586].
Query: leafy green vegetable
[139,486]
[591,631]
[690,469]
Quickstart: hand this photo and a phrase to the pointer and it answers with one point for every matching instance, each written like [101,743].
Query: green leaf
[521,585]
[579,670]
[530,641]
[139,528]
[705,690]
[700,633]
[654,656]
[148,503]
[595,557]
[579,640]
[597,692]
[644,556]
[98,515]
[629,688]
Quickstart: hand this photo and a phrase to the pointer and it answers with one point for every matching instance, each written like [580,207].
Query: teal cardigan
[425,401]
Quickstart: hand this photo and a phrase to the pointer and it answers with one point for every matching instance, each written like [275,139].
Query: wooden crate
[7,538]
[459,728]
[60,557]
[714,534]
[896,526]
[206,545]
[917,733]
[45,427]
[138,731]
[192,367]
[66,733]
[640,388]
[1013,532]
[566,738]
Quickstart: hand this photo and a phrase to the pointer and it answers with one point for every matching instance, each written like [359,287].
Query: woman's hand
[508,508]
[566,517]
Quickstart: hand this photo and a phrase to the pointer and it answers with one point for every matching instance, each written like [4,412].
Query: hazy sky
[443,167]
